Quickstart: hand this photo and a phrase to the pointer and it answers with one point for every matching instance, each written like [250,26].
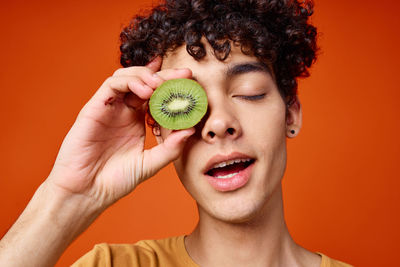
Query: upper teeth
[229,162]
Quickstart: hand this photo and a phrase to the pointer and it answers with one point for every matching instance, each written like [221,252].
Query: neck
[263,240]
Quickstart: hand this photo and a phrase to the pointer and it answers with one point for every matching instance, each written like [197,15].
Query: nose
[221,123]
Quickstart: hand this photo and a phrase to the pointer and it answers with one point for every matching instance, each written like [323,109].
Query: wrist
[50,222]
[65,209]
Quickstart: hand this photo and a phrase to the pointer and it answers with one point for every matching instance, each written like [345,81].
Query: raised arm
[101,159]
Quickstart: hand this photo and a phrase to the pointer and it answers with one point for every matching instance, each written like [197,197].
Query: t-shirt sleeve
[105,255]
[98,256]
[329,262]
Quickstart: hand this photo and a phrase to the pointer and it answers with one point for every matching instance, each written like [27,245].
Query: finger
[141,81]
[151,78]
[133,101]
[114,90]
[128,84]
[166,152]
[144,73]
[168,74]
[155,64]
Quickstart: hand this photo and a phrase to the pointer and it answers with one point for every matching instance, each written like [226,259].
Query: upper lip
[223,158]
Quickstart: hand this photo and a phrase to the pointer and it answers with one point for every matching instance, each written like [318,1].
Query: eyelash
[252,97]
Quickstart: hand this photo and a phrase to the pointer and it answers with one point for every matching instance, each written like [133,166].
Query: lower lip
[233,183]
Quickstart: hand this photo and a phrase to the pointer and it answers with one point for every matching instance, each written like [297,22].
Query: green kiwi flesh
[178,104]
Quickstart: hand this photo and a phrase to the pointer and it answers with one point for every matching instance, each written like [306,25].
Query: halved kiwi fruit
[178,104]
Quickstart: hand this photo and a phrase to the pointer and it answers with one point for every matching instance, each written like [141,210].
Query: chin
[235,211]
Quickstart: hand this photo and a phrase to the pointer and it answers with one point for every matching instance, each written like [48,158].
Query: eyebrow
[247,67]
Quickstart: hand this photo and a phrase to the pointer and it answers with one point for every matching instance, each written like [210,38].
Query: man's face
[245,122]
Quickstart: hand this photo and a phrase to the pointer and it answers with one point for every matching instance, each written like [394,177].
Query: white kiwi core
[178,104]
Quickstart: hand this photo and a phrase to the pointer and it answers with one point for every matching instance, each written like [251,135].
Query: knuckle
[132,71]
[109,80]
[113,83]
[118,72]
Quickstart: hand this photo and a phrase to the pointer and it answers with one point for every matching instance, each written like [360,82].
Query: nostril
[231,131]
[211,134]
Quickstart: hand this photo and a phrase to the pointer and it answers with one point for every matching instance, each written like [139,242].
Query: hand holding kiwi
[103,154]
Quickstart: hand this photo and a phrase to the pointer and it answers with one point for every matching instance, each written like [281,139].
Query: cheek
[186,167]
[274,148]
[266,131]
[266,126]
[186,161]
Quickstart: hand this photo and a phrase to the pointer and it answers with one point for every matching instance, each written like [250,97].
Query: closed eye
[252,97]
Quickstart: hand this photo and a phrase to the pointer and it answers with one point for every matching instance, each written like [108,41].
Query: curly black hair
[277,32]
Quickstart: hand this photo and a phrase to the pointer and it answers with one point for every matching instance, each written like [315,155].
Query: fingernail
[187,137]
[157,78]
[193,130]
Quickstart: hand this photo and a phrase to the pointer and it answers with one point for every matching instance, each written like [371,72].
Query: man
[247,55]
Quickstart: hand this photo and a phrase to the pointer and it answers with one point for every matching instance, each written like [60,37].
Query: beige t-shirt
[168,252]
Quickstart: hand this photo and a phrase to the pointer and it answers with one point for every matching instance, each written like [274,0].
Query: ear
[294,117]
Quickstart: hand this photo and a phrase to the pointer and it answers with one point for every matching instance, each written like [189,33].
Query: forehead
[208,67]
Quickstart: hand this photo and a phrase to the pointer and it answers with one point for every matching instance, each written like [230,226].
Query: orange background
[341,188]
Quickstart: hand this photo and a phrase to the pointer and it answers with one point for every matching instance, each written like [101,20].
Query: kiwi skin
[178,104]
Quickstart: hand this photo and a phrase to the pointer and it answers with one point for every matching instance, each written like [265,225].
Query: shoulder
[109,255]
[329,262]
[152,253]
[170,244]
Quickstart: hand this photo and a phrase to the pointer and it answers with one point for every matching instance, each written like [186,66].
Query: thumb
[155,64]
[159,156]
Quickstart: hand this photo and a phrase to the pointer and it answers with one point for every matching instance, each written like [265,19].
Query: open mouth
[228,169]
